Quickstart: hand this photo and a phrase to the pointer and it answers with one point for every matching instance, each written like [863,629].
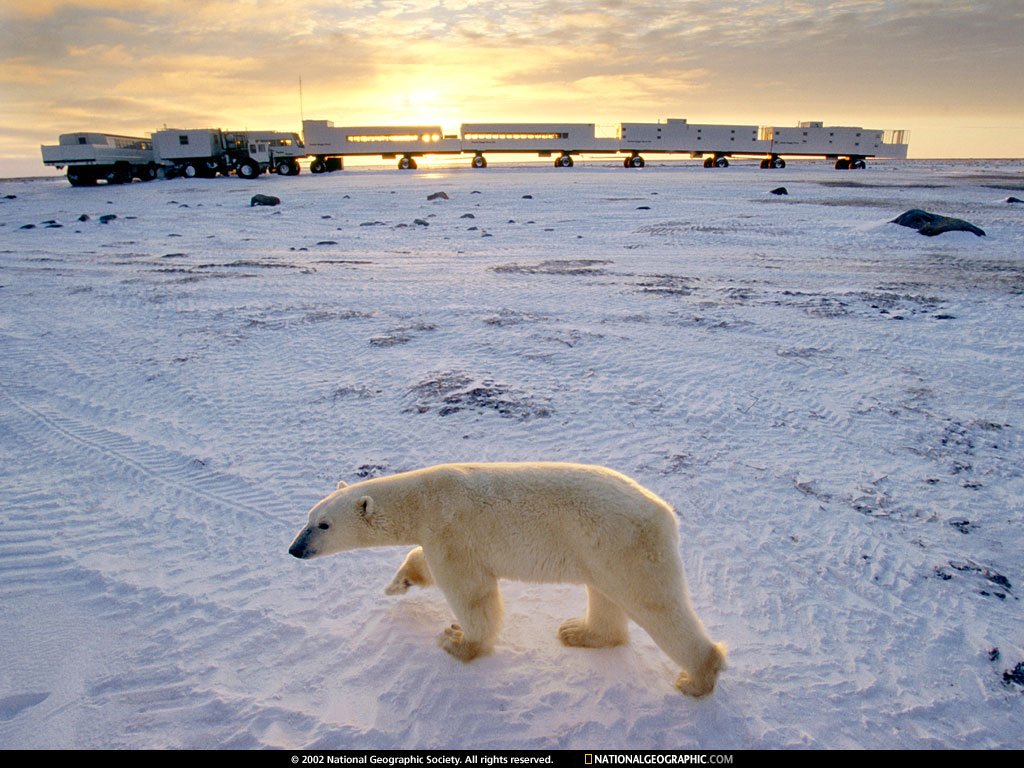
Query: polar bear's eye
[324,526]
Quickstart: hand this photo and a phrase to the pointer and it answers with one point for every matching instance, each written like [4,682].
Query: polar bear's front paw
[576,633]
[454,642]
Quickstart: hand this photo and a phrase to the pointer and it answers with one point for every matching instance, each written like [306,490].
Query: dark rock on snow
[1014,200]
[84,217]
[28,226]
[264,200]
[421,222]
[437,196]
[107,218]
[778,191]
[932,224]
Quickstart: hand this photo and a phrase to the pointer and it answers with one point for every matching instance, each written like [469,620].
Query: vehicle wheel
[721,162]
[842,164]
[248,168]
[858,165]
[636,162]
[79,177]
[213,165]
[283,168]
[190,171]
[709,162]
[147,173]
[479,161]
[778,162]
[625,162]
[764,164]
[565,161]
[119,175]
[317,166]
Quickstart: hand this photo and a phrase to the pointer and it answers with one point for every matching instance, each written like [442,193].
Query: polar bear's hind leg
[604,625]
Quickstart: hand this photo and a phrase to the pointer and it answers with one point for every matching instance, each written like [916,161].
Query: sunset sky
[951,72]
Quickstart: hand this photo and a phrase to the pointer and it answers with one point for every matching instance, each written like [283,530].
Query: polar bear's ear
[364,508]
[341,484]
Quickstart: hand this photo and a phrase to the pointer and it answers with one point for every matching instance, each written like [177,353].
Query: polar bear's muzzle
[300,548]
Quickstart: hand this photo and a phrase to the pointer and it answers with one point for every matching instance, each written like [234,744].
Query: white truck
[91,157]
[205,152]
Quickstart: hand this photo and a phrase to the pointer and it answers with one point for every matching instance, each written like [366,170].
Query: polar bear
[537,522]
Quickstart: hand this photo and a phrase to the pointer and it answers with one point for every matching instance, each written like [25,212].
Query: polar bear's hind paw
[575,633]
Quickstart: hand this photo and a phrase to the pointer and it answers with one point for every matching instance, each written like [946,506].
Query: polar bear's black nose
[300,547]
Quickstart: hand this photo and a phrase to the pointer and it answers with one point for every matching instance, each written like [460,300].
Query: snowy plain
[833,404]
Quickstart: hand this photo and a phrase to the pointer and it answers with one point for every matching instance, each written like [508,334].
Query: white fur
[541,522]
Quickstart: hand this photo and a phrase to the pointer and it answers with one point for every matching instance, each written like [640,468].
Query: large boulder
[932,224]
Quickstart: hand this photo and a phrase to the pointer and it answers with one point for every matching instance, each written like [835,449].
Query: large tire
[842,164]
[858,165]
[284,168]
[147,172]
[248,168]
[625,162]
[406,163]
[721,162]
[564,161]
[190,170]
[119,174]
[709,162]
[81,177]
[778,162]
[317,165]
[479,161]
[636,162]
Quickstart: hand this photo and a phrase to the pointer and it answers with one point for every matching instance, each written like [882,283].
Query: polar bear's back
[552,521]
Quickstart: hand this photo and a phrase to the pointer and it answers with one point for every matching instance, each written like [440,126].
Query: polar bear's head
[344,520]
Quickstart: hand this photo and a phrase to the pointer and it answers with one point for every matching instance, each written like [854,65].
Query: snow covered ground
[834,404]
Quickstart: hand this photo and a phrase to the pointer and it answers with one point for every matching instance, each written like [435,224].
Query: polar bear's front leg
[604,625]
[476,601]
[414,571]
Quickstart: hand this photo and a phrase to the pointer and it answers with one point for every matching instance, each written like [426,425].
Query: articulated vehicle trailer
[329,145]
[848,147]
[90,157]
[545,139]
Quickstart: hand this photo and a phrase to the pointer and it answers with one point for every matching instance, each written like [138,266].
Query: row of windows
[373,137]
[513,136]
[121,142]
